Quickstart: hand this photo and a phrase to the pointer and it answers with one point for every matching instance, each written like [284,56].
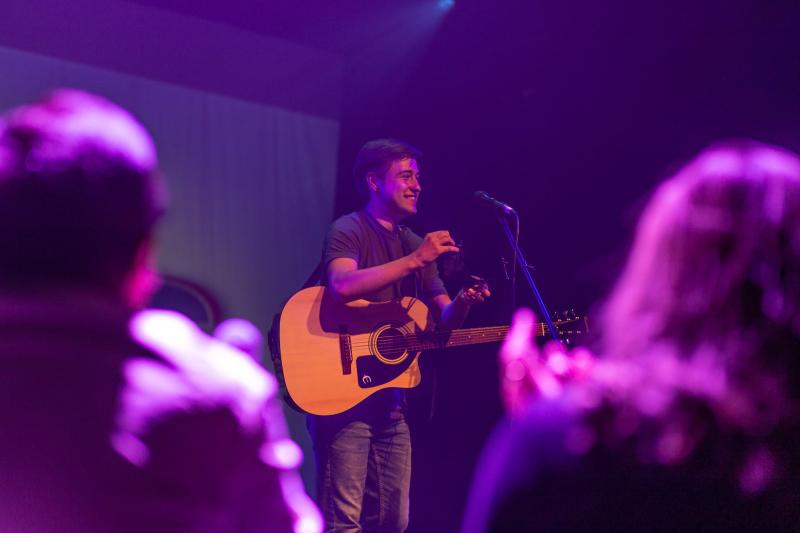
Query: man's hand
[435,244]
[476,293]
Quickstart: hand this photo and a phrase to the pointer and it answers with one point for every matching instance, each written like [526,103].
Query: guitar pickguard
[372,372]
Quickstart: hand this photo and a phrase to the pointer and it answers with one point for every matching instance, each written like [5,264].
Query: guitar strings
[445,337]
[407,344]
[437,339]
[407,341]
[417,341]
[400,348]
[425,337]
[401,345]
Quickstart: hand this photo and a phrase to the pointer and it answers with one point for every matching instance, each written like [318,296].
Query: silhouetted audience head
[716,255]
[689,417]
[116,418]
[80,194]
[708,306]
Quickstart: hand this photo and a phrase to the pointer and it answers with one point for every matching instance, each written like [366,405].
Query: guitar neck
[465,337]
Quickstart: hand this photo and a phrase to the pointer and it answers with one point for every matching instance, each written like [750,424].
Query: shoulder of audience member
[195,370]
[540,437]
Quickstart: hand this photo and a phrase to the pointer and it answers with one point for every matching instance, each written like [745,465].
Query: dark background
[569,111]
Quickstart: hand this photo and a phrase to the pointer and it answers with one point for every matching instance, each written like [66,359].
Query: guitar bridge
[345,350]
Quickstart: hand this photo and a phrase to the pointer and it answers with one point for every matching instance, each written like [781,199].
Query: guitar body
[330,356]
[335,355]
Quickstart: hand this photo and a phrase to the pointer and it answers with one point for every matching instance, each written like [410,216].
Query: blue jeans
[363,472]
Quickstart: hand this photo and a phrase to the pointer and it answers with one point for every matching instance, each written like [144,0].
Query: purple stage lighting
[446,4]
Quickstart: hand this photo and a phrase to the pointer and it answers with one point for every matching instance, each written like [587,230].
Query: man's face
[399,189]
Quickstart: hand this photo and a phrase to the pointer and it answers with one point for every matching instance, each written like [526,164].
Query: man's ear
[372,182]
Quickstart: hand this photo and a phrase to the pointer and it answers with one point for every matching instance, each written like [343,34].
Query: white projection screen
[251,186]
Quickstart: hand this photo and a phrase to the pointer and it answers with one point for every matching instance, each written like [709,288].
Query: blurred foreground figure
[690,419]
[114,419]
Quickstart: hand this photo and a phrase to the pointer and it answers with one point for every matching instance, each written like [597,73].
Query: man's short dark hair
[79,192]
[376,157]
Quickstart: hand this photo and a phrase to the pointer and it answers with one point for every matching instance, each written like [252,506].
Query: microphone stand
[526,270]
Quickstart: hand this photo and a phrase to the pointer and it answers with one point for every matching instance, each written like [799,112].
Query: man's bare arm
[348,282]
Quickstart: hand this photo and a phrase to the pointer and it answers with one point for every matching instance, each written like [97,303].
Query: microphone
[483,198]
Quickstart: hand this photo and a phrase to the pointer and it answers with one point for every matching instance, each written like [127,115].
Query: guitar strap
[426,399]
[404,230]
[427,364]
[369,224]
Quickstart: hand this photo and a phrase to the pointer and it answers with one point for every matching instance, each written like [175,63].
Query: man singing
[364,455]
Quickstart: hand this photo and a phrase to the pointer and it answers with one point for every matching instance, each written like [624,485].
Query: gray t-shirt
[360,237]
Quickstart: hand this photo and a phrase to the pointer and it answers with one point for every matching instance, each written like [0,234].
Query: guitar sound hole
[391,343]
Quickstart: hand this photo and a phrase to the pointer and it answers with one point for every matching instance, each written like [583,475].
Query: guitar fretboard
[463,337]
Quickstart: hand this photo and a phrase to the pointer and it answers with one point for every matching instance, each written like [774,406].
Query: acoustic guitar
[330,356]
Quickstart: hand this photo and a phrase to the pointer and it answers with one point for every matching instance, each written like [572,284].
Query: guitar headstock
[570,326]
